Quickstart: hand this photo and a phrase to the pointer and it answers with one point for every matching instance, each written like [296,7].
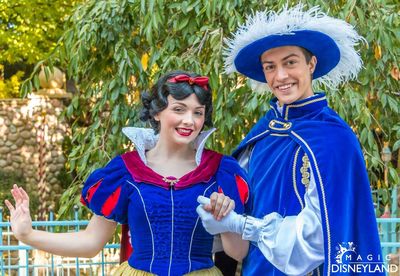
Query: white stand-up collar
[145,139]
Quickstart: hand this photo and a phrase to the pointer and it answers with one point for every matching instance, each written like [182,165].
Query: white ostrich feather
[265,23]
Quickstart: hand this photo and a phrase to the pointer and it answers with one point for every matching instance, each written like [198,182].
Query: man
[310,208]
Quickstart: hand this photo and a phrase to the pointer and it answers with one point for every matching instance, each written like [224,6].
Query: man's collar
[299,108]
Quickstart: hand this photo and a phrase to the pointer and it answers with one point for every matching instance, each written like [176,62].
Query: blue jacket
[277,143]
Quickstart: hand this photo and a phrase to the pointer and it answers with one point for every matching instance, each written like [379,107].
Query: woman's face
[182,120]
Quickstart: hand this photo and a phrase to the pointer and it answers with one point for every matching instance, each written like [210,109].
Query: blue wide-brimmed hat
[331,40]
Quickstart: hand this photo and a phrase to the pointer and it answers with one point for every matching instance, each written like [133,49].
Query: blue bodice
[166,232]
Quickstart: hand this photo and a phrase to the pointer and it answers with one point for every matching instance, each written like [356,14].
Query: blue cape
[279,141]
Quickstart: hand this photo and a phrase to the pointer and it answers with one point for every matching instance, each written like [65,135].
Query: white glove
[231,223]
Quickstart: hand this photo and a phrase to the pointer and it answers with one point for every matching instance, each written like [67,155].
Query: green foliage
[8,179]
[371,104]
[10,88]
[30,28]
[115,49]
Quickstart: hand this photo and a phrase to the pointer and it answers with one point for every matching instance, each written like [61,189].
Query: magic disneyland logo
[347,260]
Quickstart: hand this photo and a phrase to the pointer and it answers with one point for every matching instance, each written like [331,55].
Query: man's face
[288,74]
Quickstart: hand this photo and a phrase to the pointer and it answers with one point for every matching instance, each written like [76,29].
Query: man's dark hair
[307,54]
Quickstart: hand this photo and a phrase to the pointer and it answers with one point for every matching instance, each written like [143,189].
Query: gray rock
[12,137]
[12,128]
[4,150]
[19,142]
[17,159]
[26,134]
[3,163]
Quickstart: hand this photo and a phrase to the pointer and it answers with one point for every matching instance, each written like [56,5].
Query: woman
[154,189]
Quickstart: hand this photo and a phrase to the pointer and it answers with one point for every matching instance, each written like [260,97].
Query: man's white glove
[231,223]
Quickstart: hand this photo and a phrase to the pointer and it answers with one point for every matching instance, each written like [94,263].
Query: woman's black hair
[156,100]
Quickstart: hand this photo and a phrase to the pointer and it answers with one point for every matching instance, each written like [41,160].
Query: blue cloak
[278,144]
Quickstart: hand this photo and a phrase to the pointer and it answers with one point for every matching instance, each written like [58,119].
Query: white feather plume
[265,23]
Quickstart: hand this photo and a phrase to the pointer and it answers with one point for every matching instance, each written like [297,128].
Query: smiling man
[310,209]
[288,71]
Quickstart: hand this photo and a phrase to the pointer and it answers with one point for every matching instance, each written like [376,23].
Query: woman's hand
[86,243]
[20,218]
[220,205]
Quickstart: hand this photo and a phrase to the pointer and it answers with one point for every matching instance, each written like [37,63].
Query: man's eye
[291,62]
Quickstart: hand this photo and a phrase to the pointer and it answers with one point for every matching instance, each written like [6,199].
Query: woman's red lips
[184,131]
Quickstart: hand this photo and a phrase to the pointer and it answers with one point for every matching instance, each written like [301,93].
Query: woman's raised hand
[20,218]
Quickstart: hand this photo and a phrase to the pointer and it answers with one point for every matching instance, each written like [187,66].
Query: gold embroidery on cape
[294,178]
[305,175]
[324,211]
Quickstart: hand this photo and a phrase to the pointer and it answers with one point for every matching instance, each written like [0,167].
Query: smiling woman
[154,189]
[183,117]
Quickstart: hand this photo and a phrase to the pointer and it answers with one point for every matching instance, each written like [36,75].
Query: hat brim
[319,44]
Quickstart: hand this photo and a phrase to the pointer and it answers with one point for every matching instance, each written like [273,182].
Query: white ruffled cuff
[254,227]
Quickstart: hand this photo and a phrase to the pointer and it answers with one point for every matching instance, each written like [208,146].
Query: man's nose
[281,73]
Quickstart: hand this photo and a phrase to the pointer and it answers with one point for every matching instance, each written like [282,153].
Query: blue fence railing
[389,234]
[19,259]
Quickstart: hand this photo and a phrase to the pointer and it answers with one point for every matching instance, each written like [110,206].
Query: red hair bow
[200,81]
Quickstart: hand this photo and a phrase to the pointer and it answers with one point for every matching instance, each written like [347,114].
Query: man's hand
[231,223]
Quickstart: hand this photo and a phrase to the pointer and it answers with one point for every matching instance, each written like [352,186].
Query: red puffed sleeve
[232,181]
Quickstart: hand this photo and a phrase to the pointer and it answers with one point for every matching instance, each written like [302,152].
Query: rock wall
[31,138]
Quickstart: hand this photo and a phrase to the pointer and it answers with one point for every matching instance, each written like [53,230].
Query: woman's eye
[268,67]
[199,113]
[178,109]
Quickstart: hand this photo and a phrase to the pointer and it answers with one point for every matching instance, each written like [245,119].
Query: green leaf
[396,145]
[183,23]
[393,104]
[36,82]
[394,175]
[360,15]
[364,135]
[75,102]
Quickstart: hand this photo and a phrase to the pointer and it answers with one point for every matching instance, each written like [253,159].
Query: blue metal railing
[17,258]
[389,235]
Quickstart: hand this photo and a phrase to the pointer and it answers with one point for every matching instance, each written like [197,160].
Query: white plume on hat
[265,23]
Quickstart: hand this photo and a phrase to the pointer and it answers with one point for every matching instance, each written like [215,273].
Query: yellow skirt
[125,270]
